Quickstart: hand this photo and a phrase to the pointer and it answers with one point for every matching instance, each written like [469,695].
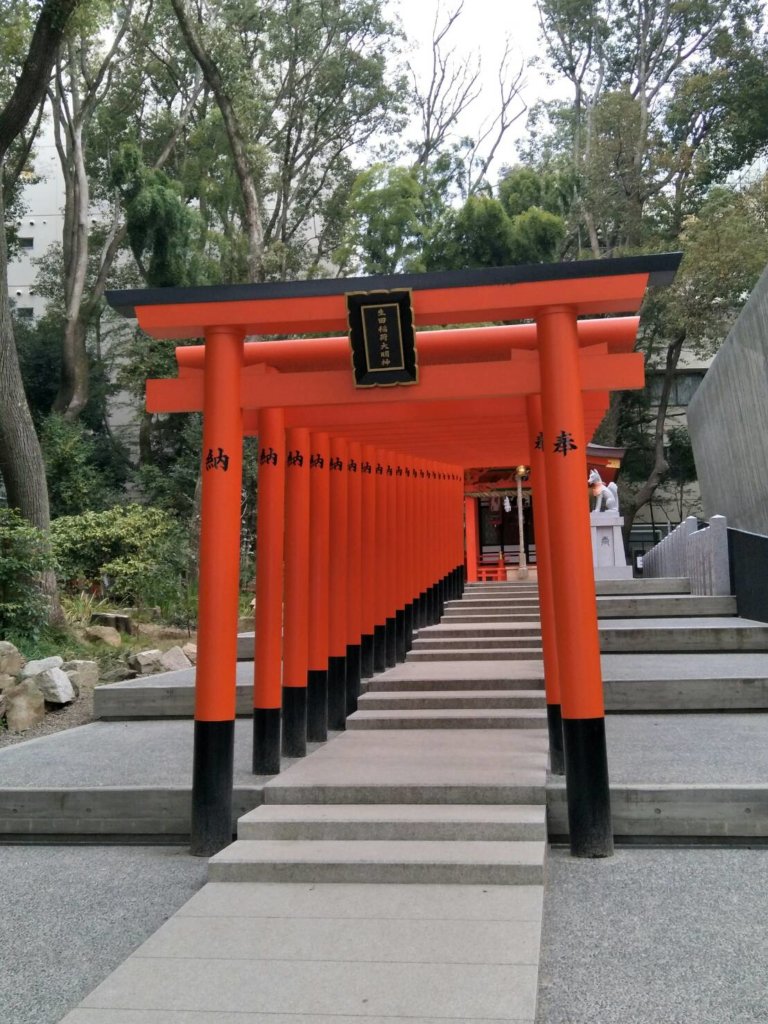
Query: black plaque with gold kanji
[382,337]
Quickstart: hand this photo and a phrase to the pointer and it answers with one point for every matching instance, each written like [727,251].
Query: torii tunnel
[360,534]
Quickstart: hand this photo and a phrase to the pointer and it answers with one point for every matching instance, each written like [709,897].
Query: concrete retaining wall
[728,421]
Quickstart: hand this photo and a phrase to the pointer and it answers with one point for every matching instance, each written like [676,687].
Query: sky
[482,29]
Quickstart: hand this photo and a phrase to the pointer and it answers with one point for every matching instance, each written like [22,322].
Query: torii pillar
[573,585]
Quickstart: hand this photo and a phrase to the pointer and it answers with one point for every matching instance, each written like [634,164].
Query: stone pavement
[253,953]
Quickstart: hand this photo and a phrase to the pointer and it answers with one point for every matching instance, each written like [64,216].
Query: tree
[668,98]
[725,250]
[21,461]
[299,86]
[446,95]
[87,70]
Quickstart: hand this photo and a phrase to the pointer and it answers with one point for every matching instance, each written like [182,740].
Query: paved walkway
[275,937]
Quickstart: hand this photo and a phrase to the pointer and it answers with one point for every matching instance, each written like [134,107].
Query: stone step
[470,654]
[662,605]
[481,630]
[428,700]
[490,823]
[429,677]
[697,635]
[729,682]
[480,616]
[729,812]
[637,606]
[674,694]
[439,718]
[419,766]
[472,641]
[509,584]
[489,602]
[276,860]
[641,585]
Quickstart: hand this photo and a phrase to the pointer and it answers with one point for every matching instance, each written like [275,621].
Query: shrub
[137,555]
[24,555]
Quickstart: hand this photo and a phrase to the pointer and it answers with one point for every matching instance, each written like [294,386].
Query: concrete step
[245,646]
[695,811]
[489,602]
[481,630]
[499,592]
[651,606]
[629,606]
[419,766]
[670,585]
[470,654]
[489,823]
[428,700]
[729,682]
[481,616]
[443,718]
[471,641]
[697,635]
[428,676]
[276,860]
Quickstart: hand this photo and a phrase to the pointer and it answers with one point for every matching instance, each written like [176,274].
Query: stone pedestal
[608,547]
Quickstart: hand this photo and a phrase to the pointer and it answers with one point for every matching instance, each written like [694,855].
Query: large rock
[11,659]
[190,650]
[55,686]
[6,681]
[174,658]
[87,672]
[106,634]
[34,668]
[25,706]
[118,673]
[146,662]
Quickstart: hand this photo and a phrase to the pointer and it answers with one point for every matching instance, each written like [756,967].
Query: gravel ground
[71,915]
[665,936]
[78,713]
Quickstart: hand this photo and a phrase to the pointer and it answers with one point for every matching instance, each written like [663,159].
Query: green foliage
[159,222]
[24,555]
[138,555]
[481,234]
[75,482]
[682,467]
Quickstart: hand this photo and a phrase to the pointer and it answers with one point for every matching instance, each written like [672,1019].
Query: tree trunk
[75,376]
[254,227]
[21,458]
[630,508]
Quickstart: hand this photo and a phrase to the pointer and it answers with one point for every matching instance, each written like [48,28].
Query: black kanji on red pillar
[295,458]
[564,443]
[267,457]
[220,461]
[316,461]
[539,446]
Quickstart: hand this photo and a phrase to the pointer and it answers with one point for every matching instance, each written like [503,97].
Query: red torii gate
[360,498]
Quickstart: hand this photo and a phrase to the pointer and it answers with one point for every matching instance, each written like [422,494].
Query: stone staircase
[411,793]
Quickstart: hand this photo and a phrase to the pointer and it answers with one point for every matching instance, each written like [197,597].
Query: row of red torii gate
[365,431]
